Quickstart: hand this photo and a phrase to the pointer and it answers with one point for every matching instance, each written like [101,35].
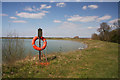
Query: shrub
[12,49]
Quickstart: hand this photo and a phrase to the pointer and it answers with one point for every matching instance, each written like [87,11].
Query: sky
[57,19]
[60,0]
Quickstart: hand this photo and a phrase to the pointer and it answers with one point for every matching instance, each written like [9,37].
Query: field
[98,60]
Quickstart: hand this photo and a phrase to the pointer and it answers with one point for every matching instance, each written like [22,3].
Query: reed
[12,49]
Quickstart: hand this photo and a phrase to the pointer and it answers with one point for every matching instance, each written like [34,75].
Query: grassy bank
[99,60]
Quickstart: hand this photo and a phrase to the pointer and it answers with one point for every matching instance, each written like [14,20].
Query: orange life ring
[38,48]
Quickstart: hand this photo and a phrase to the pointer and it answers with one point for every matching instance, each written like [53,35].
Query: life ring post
[39,35]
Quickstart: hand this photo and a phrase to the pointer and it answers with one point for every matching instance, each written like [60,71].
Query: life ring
[38,48]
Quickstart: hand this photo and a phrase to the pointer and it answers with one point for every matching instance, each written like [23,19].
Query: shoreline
[44,37]
[99,57]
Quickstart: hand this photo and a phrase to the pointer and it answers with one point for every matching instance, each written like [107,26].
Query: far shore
[45,37]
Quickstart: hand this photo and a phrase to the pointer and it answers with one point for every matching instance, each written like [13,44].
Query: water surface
[52,46]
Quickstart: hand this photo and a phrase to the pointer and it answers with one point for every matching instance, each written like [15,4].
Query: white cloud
[29,9]
[113,21]
[61,4]
[106,17]
[84,7]
[78,18]
[57,21]
[13,18]
[42,6]
[3,15]
[90,6]
[52,1]
[69,25]
[19,21]
[32,15]
[92,27]
[78,0]
[93,6]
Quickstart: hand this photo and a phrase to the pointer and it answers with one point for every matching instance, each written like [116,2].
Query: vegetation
[95,36]
[76,37]
[12,49]
[99,60]
[107,33]
[32,37]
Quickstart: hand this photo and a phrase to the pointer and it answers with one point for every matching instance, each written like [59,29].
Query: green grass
[99,60]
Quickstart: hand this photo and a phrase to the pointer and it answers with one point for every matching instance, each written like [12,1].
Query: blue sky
[60,0]
[57,19]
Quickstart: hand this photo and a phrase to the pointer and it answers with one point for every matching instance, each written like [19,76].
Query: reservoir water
[52,46]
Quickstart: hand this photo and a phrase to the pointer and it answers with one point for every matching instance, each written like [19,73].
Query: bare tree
[117,24]
[104,31]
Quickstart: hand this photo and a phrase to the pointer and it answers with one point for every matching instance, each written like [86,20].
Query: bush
[107,34]
[76,37]
[95,36]
[114,35]
[12,49]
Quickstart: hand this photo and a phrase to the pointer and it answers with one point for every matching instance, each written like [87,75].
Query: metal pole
[39,35]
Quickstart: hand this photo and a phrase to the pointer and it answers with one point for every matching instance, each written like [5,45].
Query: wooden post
[39,35]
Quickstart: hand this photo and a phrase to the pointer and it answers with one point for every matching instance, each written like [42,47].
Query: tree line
[107,33]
